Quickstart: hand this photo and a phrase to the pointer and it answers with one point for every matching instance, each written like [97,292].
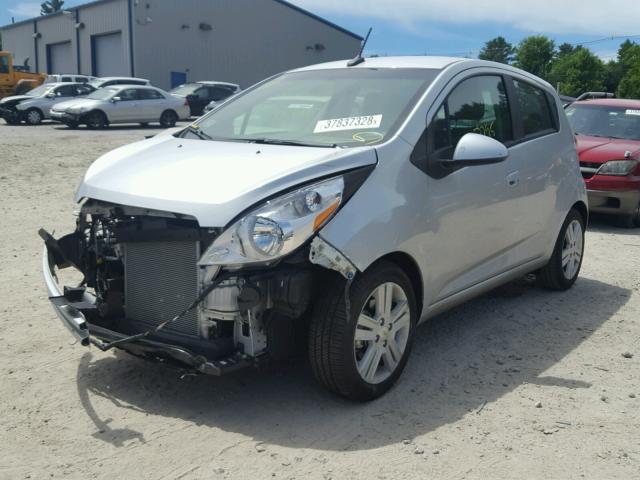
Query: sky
[454,27]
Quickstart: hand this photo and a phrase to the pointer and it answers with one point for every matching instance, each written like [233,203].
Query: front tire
[33,116]
[96,120]
[564,266]
[361,357]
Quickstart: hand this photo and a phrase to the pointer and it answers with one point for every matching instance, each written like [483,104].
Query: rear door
[152,104]
[471,207]
[533,159]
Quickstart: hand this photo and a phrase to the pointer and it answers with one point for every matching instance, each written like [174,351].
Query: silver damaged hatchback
[332,207]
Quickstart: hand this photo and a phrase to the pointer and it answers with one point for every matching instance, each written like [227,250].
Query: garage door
[60,58]
[109,56]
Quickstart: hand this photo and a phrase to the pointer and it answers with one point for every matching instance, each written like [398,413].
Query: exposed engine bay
[141,273]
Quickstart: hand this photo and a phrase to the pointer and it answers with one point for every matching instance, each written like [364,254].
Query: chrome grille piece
[161,280]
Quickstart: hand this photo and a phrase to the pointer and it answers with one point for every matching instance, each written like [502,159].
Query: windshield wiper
[197,132]
[293,143]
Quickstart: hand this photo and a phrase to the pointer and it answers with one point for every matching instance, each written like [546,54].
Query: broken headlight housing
[278,227]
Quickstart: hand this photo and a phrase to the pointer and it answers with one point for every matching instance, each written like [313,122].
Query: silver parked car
[338,205]
[34,106]
[123,104]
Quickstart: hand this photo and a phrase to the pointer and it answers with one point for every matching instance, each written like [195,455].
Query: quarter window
[476,105]
[534,109]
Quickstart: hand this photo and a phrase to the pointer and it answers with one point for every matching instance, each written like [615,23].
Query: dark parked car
[200,94]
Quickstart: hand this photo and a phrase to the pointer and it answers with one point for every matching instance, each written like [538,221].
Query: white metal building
[171,42]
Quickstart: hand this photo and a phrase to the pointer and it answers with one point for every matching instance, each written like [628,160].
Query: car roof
[213,82]
[390,62]
[426,62]
[107,79]
[611,102]
[120,86]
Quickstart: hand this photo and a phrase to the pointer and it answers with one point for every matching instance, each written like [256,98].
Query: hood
[603,149]
[14,99]
[211,181]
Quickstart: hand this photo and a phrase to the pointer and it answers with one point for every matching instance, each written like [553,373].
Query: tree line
[572,69]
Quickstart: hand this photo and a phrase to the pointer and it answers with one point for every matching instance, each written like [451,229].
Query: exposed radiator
[161,280]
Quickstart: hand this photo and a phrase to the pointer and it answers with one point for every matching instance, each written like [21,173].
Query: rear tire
[168,119]
[630,221]
[564,266]
[33,116]
[96,120]
[361,357]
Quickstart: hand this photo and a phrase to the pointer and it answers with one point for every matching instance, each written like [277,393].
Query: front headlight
[278,227]
[617,167]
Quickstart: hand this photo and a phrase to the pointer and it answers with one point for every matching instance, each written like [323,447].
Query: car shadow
[602,223]
[461,362]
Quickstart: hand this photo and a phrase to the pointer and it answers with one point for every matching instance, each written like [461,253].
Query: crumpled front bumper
[86,333]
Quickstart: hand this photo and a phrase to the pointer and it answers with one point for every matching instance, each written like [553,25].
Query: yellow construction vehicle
[16,80]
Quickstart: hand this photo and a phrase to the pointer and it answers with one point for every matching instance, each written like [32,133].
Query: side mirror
[476,149]
[115,99]
[51,95]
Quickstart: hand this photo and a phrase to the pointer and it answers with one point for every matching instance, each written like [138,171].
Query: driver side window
[477,105]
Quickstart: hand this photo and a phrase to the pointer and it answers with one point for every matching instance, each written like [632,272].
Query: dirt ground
[521,383]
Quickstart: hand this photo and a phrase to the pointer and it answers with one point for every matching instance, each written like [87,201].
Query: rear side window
[149,95]
[534,109]
[477,105]
[220,93]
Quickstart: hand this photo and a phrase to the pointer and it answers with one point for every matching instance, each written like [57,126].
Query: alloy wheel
[34,117]
[382,333]
[572,249]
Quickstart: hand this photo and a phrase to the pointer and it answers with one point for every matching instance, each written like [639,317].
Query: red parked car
[608,139]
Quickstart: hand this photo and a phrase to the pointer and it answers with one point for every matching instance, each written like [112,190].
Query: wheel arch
[581,207]
[408,264]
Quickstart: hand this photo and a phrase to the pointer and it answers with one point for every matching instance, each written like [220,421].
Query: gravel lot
[521,383]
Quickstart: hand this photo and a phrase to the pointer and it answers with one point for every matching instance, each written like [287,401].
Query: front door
[471,207]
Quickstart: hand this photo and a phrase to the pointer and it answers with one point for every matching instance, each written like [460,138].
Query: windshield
[345,107]
[604,121]
[184,90]
[39,91]
[103,94]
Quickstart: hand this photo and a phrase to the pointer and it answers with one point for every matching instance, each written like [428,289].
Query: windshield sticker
[348,123]
[632,112]
[367,137]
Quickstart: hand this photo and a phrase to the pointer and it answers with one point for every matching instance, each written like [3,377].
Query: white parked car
[111,81]
[67,78]
[339,204]
[35,105]
[122,104]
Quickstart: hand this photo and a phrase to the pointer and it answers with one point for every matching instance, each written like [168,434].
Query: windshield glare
[605,121]
[103,94]
[184,90]
[39,91]
[345,107]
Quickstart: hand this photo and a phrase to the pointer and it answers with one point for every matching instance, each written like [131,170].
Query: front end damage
[146,292]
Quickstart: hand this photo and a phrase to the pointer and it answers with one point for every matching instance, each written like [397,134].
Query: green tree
[51,6]
[578,72]
[612,75]
[497,50]
[535,54]
[564,49]
[630,84]
[629,70]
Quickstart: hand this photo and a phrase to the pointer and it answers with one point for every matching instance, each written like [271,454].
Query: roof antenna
[359,58]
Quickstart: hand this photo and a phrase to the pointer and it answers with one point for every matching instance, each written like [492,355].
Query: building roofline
[42,17]
[281,2]
[319,19]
